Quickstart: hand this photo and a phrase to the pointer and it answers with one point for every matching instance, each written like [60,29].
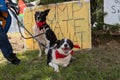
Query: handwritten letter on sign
[112,8]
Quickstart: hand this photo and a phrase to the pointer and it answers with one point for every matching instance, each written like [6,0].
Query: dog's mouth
[66,50]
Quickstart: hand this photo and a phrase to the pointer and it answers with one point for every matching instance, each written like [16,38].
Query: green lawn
[100,63]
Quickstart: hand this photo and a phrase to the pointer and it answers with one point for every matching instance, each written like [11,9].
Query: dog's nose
[65,45]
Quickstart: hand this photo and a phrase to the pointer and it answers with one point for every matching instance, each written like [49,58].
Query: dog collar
[58,55]
[40,24]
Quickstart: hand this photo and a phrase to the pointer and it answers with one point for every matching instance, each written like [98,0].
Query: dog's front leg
[55,66]
[40,51]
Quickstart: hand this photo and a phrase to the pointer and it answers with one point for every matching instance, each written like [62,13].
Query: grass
[99,63]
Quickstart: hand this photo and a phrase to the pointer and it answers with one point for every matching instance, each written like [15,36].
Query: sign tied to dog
[68,20]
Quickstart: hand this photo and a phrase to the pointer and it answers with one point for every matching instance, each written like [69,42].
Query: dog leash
[34,37]
[21,24]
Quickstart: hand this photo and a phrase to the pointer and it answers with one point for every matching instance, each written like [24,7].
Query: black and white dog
[48,38]
[61,55]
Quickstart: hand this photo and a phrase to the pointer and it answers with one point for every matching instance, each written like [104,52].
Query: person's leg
[6,48]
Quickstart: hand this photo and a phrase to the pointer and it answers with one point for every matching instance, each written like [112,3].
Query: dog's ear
[70,43]
[46,12]
[57,43]
[36,13]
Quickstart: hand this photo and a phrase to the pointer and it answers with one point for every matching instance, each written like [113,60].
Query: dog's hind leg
[51,37]
[47,44]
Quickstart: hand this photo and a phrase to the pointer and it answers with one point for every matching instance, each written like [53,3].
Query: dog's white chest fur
[42,38]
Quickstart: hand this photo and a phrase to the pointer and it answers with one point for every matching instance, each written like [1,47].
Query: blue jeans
[5,45]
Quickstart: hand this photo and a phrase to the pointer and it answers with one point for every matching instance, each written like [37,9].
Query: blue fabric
[3,6]
[5,45]
[8,23]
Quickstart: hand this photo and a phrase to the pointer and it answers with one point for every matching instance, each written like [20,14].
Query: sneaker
[13,59]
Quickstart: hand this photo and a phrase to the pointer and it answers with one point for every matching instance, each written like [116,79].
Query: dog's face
[41,15]
[64,46]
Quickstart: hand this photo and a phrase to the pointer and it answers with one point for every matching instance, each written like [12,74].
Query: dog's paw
[55,66]
[56,70]
[46,51]
[65,65]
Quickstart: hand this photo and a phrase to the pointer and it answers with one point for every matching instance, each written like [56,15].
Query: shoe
[13,59]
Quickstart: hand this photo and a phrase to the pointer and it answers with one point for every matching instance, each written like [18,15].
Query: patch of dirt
[16,41]
[102,39]
[106,55]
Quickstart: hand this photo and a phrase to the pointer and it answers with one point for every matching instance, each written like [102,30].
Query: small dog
[48,37]
[61,55]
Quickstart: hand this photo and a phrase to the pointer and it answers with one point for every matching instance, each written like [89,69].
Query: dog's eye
[70,43]
[42,14]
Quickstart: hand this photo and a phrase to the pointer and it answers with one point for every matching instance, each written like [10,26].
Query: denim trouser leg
[5,45]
